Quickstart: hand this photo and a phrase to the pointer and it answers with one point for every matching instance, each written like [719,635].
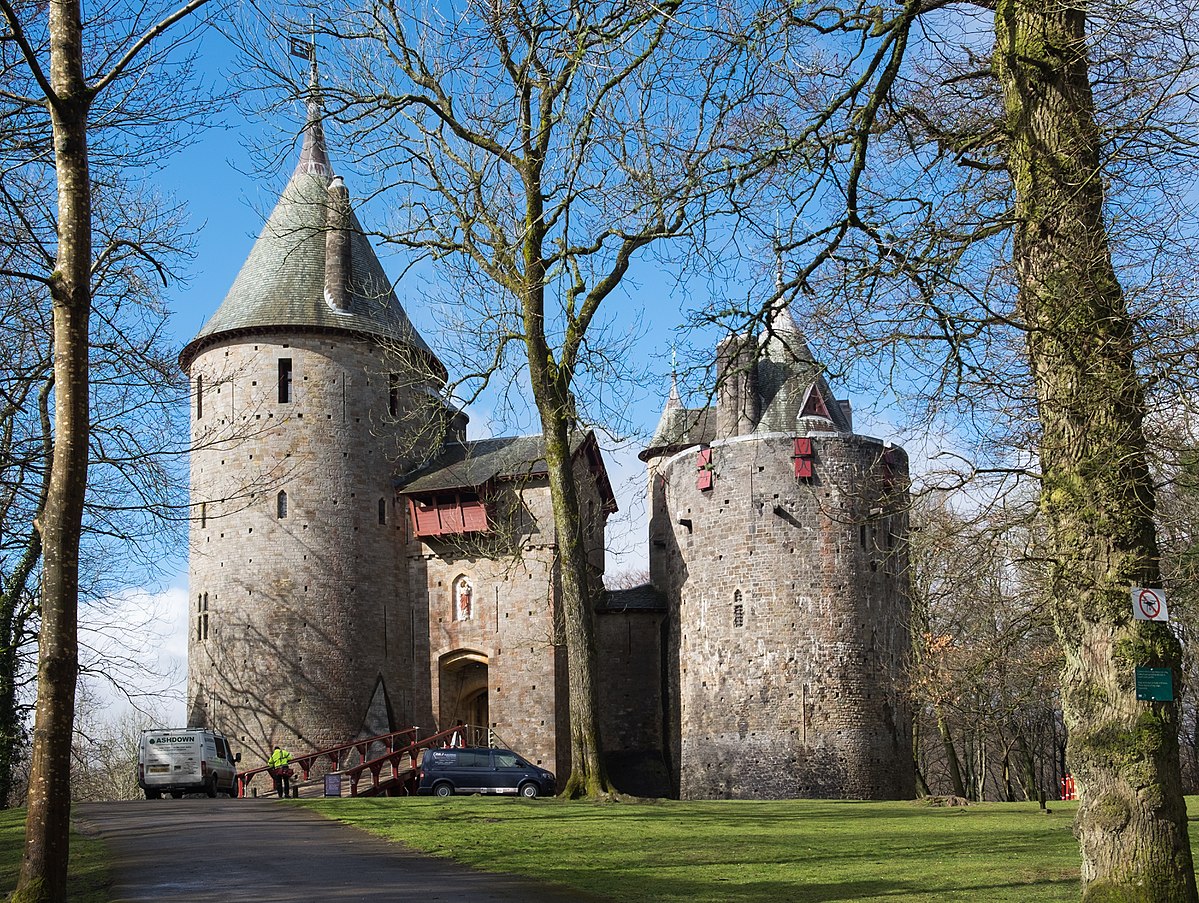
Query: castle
[357,564]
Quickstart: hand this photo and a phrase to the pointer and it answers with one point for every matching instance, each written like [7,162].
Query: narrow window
[199,396]
[393,395]
[281,505]
[202,621]
[284,380]
[203,514]
[738,610]
[382,511]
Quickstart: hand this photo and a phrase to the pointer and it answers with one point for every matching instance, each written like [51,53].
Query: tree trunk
[44,864]
[951,756]
[1028,767]
[1096,490]
[587,775]
[14,617]
[921,783]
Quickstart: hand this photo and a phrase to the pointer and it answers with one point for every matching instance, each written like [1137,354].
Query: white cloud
[133,650]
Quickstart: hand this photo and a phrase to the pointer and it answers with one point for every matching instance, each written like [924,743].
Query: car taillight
[203,768]
[141,772]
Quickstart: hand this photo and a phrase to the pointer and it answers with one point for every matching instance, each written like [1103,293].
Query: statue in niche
[463,593]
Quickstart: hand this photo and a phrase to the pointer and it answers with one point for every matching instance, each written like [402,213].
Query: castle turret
[311,389]
[779,540]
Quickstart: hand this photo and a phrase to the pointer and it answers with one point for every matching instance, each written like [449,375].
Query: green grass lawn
[88,877]
[798,850]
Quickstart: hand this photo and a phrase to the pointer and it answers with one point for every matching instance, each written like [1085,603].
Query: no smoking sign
[1149,604]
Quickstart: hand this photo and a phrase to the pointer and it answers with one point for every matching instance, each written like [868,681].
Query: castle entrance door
[462,686]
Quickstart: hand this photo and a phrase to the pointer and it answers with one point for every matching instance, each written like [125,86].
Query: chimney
[337,246]
[736,386]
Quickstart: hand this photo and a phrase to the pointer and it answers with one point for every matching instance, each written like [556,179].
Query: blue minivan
[477,769]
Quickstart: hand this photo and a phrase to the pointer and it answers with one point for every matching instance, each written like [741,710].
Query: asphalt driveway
[269,851]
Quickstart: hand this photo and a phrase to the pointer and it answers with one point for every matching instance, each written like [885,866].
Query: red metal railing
[402,776]
[395,741]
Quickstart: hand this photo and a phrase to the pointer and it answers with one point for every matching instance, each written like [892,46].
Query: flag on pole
[301,48]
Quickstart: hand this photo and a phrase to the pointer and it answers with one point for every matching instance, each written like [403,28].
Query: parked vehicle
[186,760]
[444,772]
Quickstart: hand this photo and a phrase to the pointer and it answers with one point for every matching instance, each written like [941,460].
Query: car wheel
[176,794]
[529,790]
[443,789]
[153,794]
[210,789]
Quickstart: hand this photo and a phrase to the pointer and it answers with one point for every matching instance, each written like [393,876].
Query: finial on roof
[314,158]
[674,401]
[778,268]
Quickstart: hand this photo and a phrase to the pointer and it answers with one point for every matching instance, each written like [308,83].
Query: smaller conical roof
[282,283]
[678,426]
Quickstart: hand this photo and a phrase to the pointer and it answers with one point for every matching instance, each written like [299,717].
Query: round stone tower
[779,538]
[310,390]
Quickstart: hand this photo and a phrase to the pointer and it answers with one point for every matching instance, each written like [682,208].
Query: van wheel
[529,790]
[176,794]
[153,794]
[210,790]
[443,789]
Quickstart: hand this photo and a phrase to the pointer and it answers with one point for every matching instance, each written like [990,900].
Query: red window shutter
[474,517]
[424,519]
[451,516]
[703,465]
[802,454]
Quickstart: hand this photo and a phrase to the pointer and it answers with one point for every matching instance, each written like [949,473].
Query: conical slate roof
[788,375]
[679,427]
[282,283]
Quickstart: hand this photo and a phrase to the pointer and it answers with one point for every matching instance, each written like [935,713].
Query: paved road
[265,851]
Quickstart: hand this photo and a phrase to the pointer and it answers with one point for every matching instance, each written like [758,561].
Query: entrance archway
[462,690]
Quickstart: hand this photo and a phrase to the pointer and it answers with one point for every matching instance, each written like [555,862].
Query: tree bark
[951,756]
[1096,489]
[44,863]
[15,614]
[588,777]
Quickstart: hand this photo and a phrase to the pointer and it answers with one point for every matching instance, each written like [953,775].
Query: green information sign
[1155,684]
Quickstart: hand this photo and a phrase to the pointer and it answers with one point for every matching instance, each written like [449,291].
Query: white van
[186,760]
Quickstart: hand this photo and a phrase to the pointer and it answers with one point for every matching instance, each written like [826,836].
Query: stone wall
[629,686]
[789,628]
[511,645]
[300,626]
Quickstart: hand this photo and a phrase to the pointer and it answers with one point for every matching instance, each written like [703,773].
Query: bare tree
[53,71]
[535,151]
[984,670]
[957,184]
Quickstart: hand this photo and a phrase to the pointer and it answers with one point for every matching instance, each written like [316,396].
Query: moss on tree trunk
[1096,490]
